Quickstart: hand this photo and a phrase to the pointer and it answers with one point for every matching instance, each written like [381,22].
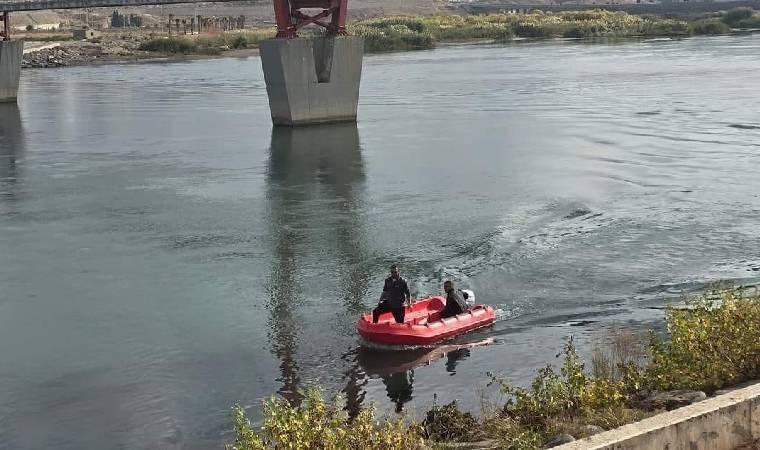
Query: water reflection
[313,168]
[11,150]
[399,387]
[396,368]
[453,357]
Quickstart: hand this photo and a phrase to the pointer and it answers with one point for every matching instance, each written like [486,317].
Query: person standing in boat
[395,295]
[455,302]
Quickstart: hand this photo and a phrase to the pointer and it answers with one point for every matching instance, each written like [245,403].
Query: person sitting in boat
[395,295]
[455,301]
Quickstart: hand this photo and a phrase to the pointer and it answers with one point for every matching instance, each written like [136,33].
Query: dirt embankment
[110,48]
[73,53]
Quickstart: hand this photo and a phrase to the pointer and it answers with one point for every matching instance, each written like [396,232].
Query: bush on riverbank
[397,33]
[170,45]
[732,17]
[710,26]
[208,45]
[404,33]
[420,33]
[712,342]
[318,424]
[414,33]
[238,39]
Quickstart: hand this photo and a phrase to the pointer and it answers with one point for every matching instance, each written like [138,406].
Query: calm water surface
[164,253]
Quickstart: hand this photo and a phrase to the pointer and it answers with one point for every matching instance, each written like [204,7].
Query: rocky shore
[57,57]
[109,50]
[77,53]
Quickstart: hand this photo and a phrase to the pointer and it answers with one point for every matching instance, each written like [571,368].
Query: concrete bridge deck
[38,5]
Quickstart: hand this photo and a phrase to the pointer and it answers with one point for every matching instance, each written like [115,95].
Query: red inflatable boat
[422,325]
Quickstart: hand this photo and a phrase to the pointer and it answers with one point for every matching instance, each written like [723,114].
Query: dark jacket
[395,292]
[455,301]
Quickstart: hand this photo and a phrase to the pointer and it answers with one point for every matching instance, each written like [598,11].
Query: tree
[117,20]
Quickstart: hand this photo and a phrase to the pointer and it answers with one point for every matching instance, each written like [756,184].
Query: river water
[164,253]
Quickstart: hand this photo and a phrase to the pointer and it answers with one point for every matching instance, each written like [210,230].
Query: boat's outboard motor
[469,297]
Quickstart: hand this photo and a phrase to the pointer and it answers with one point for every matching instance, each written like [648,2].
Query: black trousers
[451,310]
[398,313]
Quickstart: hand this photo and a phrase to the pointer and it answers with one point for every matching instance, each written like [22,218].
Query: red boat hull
[421,324]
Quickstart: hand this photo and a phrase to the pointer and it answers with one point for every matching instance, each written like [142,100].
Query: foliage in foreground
[713,342]
[561,401]
[448,422]
[321,425]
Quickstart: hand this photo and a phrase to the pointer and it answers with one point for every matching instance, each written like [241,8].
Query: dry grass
[618,349]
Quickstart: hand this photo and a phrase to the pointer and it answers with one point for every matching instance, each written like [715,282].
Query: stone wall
[726,422]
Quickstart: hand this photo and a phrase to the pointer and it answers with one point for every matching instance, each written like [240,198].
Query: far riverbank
[400,33]
[111,48]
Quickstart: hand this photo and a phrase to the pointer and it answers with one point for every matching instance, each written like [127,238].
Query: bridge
[39,5]
[308,81]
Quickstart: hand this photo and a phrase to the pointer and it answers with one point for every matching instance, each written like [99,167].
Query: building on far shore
[86,33]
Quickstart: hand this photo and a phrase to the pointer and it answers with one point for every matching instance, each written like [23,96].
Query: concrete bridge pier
[11,53]
[312,80]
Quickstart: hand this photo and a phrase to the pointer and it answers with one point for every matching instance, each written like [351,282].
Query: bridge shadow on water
[315,183]
[11,151]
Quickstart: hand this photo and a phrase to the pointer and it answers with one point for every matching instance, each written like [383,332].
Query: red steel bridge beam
[290,18]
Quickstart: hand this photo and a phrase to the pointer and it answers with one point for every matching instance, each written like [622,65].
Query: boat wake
[439,347]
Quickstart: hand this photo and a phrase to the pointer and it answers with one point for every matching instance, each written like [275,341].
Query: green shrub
[408,33]
[239,42]
[712,344]
[510,434]
[414,24]
[208,45]
[169,45]
[321,425]
[571,391]
[389,37]
[241,38]
[532,30]
[752,22]
[666,28]
[732,17]
[449,423]
[710,26]
[623,350]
